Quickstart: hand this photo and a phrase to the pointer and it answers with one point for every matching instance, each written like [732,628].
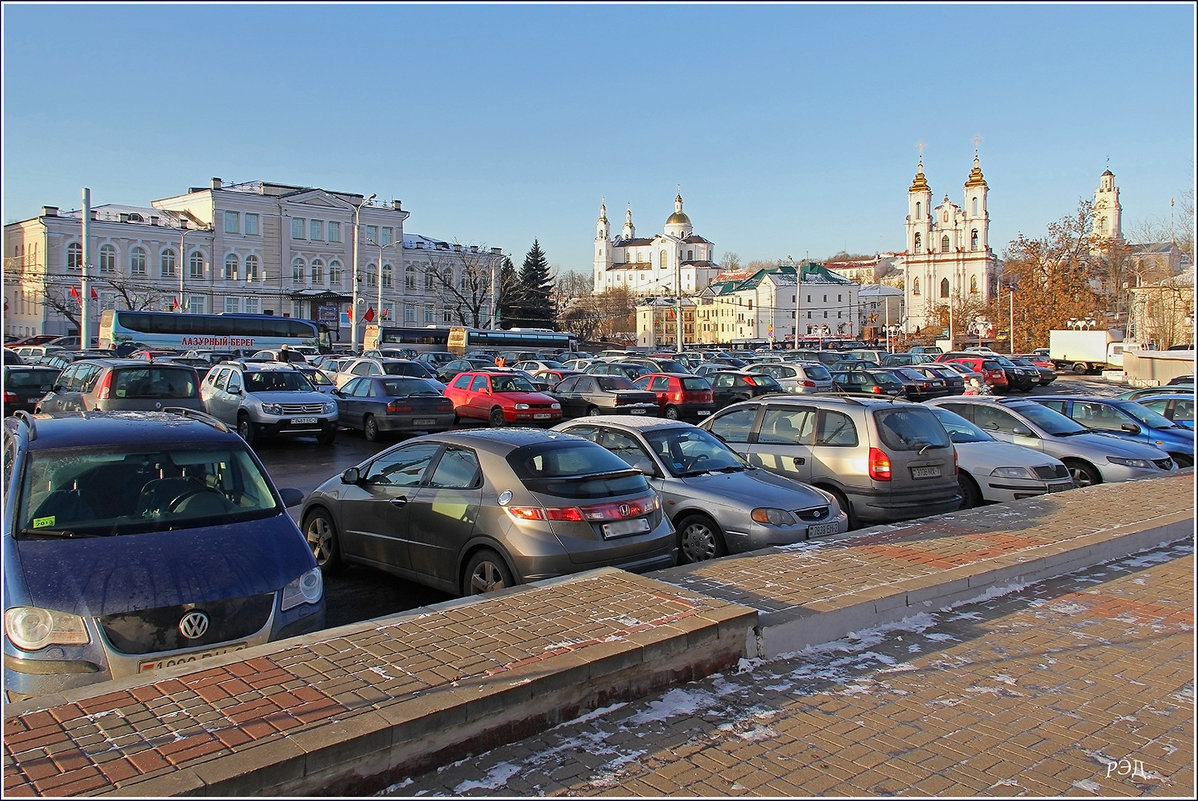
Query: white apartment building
[255,247]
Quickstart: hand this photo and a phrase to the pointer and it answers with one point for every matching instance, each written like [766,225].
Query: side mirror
[645,466]
[351,476]
[1130,428]
[1022,431]
[291,496]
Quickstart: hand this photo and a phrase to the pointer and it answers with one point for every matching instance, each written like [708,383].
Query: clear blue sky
[791,129]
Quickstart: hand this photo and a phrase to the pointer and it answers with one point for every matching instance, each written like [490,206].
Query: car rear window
[154,382]
[910,428]
[575,470]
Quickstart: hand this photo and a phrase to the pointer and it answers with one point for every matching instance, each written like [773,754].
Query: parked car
[25,385]
[1140,393]
[477,510]
[10,356]
[136,541]
[885,460]
[1126,419]
[269,399]
[590,395]
[906,359]
[550,378]
[680,396]
[630,370]
[124,385]
[802,378]
[868,382]
[501,398]
[732,385]
[378,405]
[534,365]
[719,503]
[435,359]
[1047,374]
[954,382]
[1092,457]
[917,384]
[317,378]
[447,371]
[992,373]
[383,366]
[990,471]
[1178,408]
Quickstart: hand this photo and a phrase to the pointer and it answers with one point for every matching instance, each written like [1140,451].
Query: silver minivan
[800,378]
[884,460]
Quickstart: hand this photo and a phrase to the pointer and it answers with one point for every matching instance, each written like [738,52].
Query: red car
[992,372]
[680,396]
[501,397]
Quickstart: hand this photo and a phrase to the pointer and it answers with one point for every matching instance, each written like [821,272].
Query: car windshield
[513,383]
[91,493]
[1143,414]
[277,381]
[959,429]
[690,451]
[911,427]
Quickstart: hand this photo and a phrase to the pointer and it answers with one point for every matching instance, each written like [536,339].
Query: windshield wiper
[54,533]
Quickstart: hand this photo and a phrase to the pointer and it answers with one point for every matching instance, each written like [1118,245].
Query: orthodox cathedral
[675,261]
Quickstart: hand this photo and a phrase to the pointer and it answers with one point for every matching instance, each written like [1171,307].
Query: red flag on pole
[94,295]
[174,303]
[75,295]
[350,314]
[369,315]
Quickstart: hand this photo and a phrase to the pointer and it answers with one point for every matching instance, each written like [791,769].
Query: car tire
[699,539]
[496,418]
[246,428]
[843,502]
[321,533]
[671,413]
[370,428]
[1084,474]
[594,411]
[486,572]
[971,495]
[327,436]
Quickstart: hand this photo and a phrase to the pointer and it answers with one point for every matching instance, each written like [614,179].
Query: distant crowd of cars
[517,467]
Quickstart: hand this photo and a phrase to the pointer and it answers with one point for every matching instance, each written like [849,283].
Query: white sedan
[990,471]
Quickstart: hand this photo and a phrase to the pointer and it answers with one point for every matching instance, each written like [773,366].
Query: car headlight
[307,589]
[1011,472]
[773,517]
[272,408]
[522,407]
[330,407]
[31,629]
[1143,464]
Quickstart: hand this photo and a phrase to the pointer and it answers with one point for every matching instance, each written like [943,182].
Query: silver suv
[884,460]
[269,398]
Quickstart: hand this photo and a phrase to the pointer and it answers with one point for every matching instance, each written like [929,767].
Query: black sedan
[25,385]
[1047,375]
[586,394]
[954,382]
[385,404]
[732,385]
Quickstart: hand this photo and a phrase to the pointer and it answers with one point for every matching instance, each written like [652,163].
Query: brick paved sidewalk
[1054,690]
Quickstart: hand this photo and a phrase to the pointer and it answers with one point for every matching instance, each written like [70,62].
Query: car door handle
[400,501]
[799,460]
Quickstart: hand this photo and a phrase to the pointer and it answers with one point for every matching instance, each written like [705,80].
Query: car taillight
[395,407]
[876,389]
[879,465]
[10,397]
[595,513]
[807,382]
[105,386]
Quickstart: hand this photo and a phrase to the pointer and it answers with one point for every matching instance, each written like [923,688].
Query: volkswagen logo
[193,625]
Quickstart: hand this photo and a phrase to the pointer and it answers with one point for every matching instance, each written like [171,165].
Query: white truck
[1086,351]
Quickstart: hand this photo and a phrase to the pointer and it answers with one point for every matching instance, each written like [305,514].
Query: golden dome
[920,184]
[975,175]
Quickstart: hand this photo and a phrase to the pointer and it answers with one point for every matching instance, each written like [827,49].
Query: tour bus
[460,339]
[129,330]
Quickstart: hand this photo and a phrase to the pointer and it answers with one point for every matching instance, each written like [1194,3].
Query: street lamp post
[183,260]
[381,249]
[353,303]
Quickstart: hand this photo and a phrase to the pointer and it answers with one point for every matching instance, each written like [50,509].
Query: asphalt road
[359,593]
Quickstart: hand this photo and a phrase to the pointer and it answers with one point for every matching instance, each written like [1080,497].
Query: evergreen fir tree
[535,308]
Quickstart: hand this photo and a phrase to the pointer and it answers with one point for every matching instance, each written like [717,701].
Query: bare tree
[465,284]
[729,262]
[605,315]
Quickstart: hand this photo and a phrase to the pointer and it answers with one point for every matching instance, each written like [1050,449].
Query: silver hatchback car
[476,510]
[719,503]
[802,378]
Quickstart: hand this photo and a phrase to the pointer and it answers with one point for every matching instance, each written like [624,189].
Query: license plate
[423,421]
[303,421]
[183,659]
[926,472]
[622,528]
[823,529]
[637,411]
[704,412]
[541,416]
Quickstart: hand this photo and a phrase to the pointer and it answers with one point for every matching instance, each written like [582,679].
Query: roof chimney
[397,205]
[216,183]
[49,211]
